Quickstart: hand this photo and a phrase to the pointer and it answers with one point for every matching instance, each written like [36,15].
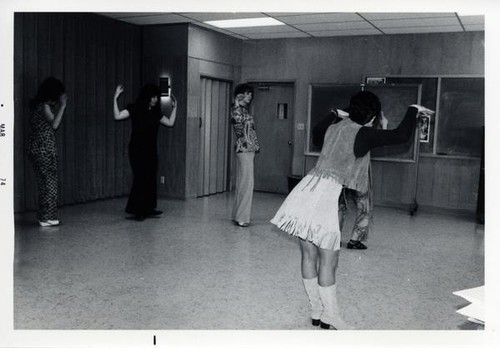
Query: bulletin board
[429,97]
[457,127]
[461,116]
[395,100]
[324,97]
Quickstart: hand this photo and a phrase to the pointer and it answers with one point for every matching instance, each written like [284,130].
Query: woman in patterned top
[246,147]
[46,109]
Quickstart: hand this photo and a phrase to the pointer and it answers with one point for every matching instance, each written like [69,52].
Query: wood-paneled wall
[91,55]
[165,55]
[443,182]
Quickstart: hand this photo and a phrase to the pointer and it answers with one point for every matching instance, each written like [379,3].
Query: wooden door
[272,109]
[214,136]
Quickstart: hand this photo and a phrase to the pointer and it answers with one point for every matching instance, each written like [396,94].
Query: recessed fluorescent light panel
[245,22]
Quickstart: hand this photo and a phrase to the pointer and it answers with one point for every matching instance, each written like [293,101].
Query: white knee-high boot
[312,290]
[331,319]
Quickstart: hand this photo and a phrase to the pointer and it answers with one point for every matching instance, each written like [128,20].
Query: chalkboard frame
[474,135]
[427,150]
[312,150]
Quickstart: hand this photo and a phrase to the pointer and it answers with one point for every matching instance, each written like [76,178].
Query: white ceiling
[309,24]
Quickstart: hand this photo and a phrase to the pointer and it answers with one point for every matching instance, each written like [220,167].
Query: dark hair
[50,90]
[242,88]
[147,92]
[363,106]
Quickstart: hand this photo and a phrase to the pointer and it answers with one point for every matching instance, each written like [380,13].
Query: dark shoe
[356,244]
[139,217]
[315,322]
[156,213]
[327,326]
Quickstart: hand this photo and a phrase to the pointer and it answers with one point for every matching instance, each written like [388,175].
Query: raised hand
[119,90]
[63,99]
[383,121]
[422,110]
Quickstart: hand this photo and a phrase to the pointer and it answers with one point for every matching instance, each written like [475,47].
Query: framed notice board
[461,117]
[395,99]
[322,98]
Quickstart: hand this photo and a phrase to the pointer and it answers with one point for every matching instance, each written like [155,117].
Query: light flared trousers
[244,186]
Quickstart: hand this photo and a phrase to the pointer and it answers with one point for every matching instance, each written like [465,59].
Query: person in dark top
[46,112]
[363,200]
[146,117]
[306,212]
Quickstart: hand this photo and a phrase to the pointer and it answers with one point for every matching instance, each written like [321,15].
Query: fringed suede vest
[337,159]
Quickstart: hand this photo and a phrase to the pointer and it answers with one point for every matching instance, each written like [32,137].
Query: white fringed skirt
[310,212]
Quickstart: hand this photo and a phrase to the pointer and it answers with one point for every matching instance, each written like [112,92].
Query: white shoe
[49,223]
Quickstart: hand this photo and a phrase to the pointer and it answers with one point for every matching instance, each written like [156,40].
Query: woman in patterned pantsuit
[46,111]
[246,145]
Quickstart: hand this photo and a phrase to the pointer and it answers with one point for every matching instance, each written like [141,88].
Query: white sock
[331,312]
[312,290]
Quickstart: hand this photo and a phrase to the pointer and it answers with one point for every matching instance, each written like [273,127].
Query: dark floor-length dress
[143,158]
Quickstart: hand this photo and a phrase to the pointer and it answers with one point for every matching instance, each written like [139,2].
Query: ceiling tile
[335,26]
[286,14]
[421,30]
[215,16]
[258,36]
[318,24]
[220,30]
[472,19]
[474,27]
[404,15]
[318,18]
[267,29]
[414,23]
[354,32]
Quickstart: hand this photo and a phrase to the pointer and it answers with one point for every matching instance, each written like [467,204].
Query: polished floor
[193,269]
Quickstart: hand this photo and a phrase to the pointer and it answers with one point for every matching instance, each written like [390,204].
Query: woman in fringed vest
[307,211]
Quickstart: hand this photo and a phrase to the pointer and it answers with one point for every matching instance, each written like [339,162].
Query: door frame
[286,83]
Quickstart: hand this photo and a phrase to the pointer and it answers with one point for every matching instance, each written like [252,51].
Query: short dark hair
[147,92]
[363,106]
[50,90]
[242,88]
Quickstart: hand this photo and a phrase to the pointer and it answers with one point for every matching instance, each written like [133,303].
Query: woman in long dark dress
[146,118]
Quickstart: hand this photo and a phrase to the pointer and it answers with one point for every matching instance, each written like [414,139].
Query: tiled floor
[193,269]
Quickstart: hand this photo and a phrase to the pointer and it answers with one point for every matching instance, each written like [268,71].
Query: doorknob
[289,142]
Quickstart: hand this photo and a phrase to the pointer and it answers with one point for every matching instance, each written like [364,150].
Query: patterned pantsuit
[45,167]
[364,213]
[244,186]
